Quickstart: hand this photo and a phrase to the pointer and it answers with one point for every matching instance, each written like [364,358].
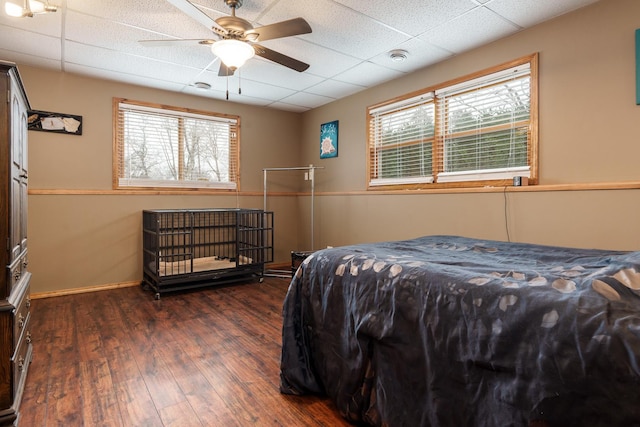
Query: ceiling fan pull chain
[239,82]
[227,88]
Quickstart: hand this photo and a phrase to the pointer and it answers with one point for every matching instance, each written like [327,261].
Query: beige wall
[269,138]
[589,133]
[82,234]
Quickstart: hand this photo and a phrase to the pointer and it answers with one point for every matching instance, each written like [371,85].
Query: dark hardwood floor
[205,358]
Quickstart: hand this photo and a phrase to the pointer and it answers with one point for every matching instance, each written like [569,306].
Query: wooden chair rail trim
[626,185]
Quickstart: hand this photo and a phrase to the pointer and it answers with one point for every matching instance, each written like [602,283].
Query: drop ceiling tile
[261,70]
[255,89]
[208,75]
[307,100]
[34,61]
[338,27]
[250,10]
[530,12]
[180,27]
[134,79]
[153,15]
[470,30]
[207,93]
[222,95]
[98,58]
[49,24]
[322,61]
[32,44]
[249,100]
[334,89]
[419,55]
[289,107]
[411,16]
[368,74]
[115,36]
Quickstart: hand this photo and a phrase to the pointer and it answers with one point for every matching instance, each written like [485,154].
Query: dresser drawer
[22,314]
[17,270]
[15,274]
[20,361]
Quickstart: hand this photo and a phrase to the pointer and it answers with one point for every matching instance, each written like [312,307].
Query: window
[402,137]
[474,131]
[167,147]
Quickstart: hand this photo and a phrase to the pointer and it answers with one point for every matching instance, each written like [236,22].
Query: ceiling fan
[237,40]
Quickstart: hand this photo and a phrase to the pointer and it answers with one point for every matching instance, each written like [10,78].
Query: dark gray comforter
[451,331]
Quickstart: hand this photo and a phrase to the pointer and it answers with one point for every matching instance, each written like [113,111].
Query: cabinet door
[18,198]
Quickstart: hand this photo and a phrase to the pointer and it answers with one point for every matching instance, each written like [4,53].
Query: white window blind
[167,147]
[485,124]
[475,130]
[401,137]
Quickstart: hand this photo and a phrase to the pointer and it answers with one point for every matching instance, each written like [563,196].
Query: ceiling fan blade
[280,58]
[193,12]
[174,42]
[224,71]
[292,27]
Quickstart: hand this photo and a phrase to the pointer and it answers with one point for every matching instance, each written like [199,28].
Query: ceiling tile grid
[472,29]
[347,50]
[528,13]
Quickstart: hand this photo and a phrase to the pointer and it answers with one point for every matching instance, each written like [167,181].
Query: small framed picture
[46,121]
[329,140]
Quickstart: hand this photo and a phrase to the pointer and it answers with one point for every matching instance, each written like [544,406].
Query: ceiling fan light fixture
[29,8]
[234,53]
[13,9]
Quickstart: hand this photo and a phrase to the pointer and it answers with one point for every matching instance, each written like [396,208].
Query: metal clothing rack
[310,176]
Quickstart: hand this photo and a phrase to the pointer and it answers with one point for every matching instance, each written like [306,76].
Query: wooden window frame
[180,113]
[437,150]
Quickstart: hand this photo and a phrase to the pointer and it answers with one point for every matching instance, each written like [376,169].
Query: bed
[453,331]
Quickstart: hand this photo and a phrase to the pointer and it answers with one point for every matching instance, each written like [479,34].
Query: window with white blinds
[169,147]
[474,131]
[401,141]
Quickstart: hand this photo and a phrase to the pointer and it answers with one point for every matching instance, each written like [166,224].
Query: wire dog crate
[191,248]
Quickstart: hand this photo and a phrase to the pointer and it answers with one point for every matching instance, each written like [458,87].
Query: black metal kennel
[191,248]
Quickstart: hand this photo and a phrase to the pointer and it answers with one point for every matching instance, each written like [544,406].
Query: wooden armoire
[15,304]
